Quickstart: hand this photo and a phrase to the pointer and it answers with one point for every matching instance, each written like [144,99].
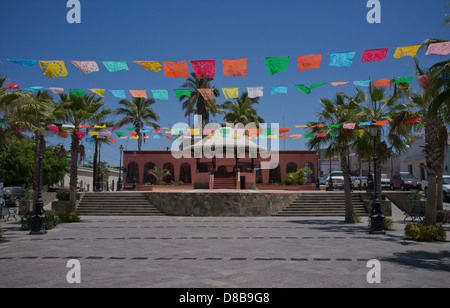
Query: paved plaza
[219,252]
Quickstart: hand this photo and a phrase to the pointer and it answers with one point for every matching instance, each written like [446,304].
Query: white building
[85,179]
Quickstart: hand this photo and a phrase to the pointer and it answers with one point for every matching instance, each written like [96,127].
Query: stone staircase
[117,204]
[224,183]
[322,204]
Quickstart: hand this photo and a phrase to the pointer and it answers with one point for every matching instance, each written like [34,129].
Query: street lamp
[119,182]
[376,215]
[133,186]
[38,217]
[318,169]
[330,181]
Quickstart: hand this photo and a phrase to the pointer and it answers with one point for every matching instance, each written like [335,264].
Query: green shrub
[423,233]
[69,217]
[443,216]
[387,223]
[63,194]
[297,177]
[51,220]
[416,195]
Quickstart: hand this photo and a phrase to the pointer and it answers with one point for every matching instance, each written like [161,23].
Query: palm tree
[335,112]
[137,112]
[76,111]
[242,111]
[159,173]
[433,113]
[196,104]
[378,105]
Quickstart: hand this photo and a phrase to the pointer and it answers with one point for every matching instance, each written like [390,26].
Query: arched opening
[171,177]
[310,177]
[133,172]
[149,178]
[185,173]
[222,169]
[291,167]
[275,174]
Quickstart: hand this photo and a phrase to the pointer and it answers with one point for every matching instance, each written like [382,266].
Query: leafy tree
[137,112]
[241,110]
[159,173]
[56,164]
[196,104]
[76,111]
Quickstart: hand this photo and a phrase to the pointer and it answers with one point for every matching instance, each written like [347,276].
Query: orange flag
[139,93]
[235,67]
[382,82]
[308,61]
[176,69]
[381,123]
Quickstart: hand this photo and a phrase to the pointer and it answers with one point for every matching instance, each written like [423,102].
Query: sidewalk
[209,252]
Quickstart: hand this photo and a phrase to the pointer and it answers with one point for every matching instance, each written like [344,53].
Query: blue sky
[215,30]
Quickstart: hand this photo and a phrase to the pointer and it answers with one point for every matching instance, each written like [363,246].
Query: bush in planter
[443,216]
[51,220]
[69,217]
[387,223]
[416,195]
[63,195]
[423,233]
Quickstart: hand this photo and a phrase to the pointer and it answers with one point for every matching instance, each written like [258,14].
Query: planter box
[309,186]
[386,206]
[61,206]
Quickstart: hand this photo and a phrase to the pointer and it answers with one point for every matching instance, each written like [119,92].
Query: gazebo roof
[242,144]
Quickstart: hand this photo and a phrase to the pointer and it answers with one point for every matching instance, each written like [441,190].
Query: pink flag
[204,68]
[413,120]
[57,90]
[208,93]
[80,135]
[12,86]
[53,128]
[339,83]
[139,93]
[374,55]
[424,81]
[439,48]
[86,66]
[349,125]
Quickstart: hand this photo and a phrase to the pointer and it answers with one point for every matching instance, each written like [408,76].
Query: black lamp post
[318,169]
[376,215]
[330,181]
[133,186]
[119,182]
[38,217]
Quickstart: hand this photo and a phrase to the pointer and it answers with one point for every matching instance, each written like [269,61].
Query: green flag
[309,135]
[77,92]
[404,80]
[2,121]
[181,92]
[276,64]
[303,88]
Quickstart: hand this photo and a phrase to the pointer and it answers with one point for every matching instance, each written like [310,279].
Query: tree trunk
[37,146]
[73,171]
[349,212]
[430,210]
[439,191]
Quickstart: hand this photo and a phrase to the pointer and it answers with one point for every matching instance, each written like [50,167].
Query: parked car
[385,181]
[404,181]
[337,178]
[13,194]
[360,182]
[322,180]
[445,187]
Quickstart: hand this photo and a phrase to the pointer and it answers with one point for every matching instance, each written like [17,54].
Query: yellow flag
[150,65]
[100,126]
[93,133]
[194,131]
[100,92]
[406,51]
[358,132]
[134,137]
[231,92]
[53,69]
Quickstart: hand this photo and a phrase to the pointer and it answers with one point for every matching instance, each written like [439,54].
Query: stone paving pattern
[228,252]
